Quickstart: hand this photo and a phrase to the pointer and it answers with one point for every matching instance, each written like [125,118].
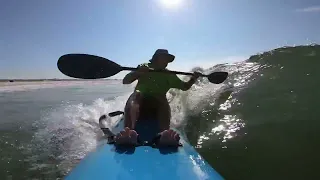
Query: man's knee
[133,99]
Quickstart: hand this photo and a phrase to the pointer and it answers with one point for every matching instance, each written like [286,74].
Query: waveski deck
[142,162]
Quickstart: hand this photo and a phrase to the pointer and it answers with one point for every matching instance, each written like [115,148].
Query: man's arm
[187,85]
[176,82]
[132,76]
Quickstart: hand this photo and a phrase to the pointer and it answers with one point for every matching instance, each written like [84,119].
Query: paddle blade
[217,77]
[86,66]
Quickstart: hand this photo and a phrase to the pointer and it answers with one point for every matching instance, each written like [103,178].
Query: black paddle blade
[217,77]
[86,66]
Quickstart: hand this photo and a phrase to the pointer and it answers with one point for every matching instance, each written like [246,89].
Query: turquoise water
[262,123]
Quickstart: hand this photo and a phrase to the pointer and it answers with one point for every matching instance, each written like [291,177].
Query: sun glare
[171,3]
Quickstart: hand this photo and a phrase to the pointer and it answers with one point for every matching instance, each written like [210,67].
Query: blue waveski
[144,162]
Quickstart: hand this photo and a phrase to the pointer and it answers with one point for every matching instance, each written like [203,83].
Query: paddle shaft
[85,66]
[166,71]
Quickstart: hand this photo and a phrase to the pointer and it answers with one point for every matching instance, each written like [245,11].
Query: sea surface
[261,123]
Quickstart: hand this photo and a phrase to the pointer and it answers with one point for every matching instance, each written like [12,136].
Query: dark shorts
[148,105]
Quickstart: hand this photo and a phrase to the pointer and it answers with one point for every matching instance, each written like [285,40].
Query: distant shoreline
[31,84]
[43,80]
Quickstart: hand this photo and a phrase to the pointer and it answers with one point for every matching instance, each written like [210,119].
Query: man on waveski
[150,95]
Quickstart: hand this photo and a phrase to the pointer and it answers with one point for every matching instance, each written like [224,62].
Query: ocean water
[261,123]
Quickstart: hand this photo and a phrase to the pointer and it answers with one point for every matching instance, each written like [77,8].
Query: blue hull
[143,162]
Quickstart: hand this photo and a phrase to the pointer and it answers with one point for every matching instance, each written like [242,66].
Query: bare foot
[169,138]
[126,137]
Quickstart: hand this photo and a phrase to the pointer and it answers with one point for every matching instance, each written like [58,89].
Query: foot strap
[153,143]
[112,140]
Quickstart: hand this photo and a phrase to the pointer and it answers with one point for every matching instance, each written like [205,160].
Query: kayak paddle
[85,66]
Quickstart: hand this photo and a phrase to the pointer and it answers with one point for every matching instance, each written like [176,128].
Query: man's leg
[131,113]
[164,115]
[131,110]
[169,136]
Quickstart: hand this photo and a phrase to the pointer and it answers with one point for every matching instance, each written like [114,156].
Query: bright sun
[171,3]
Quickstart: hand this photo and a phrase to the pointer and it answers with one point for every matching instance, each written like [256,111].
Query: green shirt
[157,83]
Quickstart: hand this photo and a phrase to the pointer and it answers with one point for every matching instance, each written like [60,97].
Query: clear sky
[34,33]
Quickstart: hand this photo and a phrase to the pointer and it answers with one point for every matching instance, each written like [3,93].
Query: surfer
[149,96]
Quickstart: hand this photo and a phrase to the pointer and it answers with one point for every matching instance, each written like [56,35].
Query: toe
[177,137]
[133,137]
[119,138]
[127,129]
[165,134]
[118,135]
[133,134]
[165,138]
[173,134]
[122,133]
[128,132]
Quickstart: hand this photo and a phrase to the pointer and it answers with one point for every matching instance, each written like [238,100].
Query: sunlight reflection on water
[226,129]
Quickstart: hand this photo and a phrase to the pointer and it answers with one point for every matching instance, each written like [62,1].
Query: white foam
[71,131]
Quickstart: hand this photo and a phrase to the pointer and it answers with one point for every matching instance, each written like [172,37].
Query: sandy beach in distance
[38,82]
[2,84]
[21,85]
